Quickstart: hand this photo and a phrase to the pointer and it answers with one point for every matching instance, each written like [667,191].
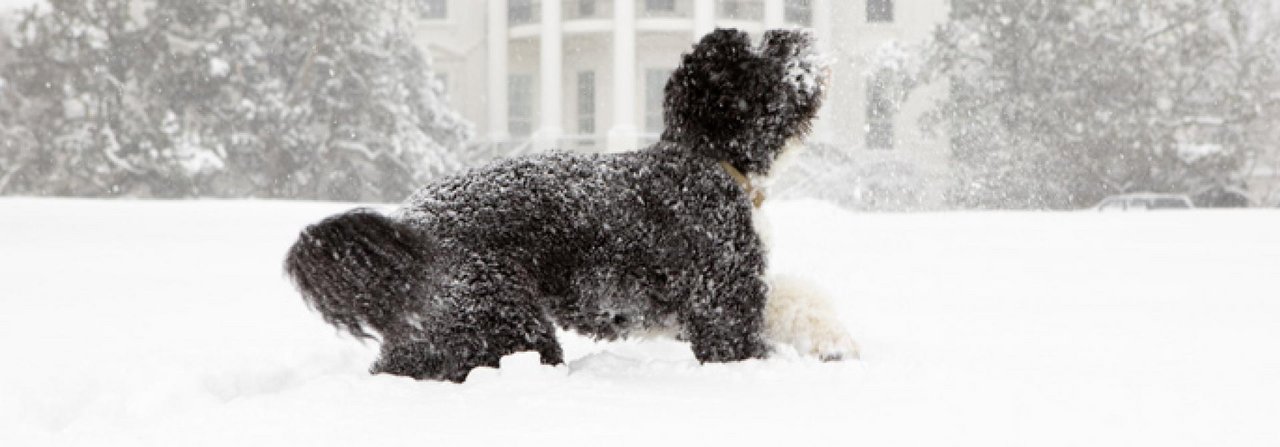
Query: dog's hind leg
[481,313]
[416,359]
[452,352]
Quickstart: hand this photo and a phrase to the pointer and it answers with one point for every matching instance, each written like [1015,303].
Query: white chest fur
[797,313]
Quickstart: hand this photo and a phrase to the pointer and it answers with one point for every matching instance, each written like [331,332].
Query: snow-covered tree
[304,99]
[12,138]
[1056,104]
[71,119]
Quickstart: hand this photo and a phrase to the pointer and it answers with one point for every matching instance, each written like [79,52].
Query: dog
[663,240]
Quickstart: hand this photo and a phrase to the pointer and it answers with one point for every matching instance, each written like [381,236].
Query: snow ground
[169,323]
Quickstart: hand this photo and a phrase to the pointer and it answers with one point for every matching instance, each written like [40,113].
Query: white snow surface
[170,323]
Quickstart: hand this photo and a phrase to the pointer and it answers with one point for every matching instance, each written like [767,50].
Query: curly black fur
[489,262]
[730,102]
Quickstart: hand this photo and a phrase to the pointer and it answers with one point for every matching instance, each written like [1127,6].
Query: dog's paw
[818,335]
[799,315]
[833,346]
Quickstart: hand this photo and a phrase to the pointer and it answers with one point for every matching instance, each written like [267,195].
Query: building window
[660,5]
[799,12]
[655,80]
[741,9]
[520,105]
[880,113]
[586,103]
[585,8]
[963,8]
[880,11]
[520,11]
[443,80]
[435,9]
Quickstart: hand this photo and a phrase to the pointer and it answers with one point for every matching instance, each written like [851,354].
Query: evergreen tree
[70,115]
[302,99]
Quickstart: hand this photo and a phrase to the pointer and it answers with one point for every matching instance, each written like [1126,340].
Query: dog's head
[741,104]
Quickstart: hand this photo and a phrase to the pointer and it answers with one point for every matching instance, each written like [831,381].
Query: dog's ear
[786,44]
[703,99]
[804,75]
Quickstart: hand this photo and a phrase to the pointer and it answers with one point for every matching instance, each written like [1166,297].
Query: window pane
[880,114]
[799,12]
[520,11]
[1170,203]
[660,5]
[443,79]
[520,105]
[655,80]
[741,9]
[879,10]
[963,8]
[586,103]
[436,9]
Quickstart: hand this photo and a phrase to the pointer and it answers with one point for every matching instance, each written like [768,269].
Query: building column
[497,88]
[774,11]
[821,22]
[704,18]
[623,135]
[823,129]
[551,65]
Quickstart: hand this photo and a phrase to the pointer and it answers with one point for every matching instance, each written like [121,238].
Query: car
[1144,202]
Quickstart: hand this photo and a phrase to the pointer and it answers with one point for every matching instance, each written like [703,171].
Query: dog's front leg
[725,320]
[800,315]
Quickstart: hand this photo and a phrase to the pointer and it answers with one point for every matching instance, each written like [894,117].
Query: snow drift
[170,323]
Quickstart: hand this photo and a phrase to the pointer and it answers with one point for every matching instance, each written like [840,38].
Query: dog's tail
[361,270]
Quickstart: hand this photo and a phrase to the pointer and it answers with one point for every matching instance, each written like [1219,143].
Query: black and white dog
[490,262]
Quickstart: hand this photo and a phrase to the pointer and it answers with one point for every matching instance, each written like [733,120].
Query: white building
[540,74]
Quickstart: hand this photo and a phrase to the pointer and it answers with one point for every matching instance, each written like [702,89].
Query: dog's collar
[756,195]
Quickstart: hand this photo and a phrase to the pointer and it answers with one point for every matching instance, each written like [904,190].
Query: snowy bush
[837,175]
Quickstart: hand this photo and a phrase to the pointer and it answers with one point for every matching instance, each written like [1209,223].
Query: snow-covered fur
[489,262]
